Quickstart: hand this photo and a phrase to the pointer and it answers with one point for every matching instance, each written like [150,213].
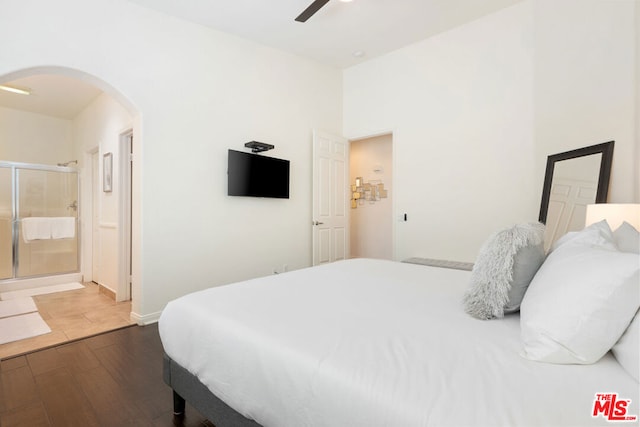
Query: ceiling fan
[312,9]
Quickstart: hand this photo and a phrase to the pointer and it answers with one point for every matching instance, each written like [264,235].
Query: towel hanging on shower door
[45,228]
[63,227]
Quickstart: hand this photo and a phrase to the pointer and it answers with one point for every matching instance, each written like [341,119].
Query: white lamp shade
[614,213]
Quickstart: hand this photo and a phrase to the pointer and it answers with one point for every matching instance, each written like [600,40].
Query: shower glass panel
[47,213]
[6,223]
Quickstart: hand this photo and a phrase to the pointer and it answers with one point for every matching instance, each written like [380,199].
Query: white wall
[460,105]
[477,110]
[98,127]
[34,138]
[585,84]
[371,223]
[194,93]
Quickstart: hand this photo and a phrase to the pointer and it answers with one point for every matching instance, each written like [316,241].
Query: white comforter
[374,343]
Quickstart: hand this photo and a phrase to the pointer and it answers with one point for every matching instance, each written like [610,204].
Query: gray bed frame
[188,388]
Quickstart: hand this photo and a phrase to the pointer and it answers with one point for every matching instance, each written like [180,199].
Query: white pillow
[627,349]
[580,301]
[627,238]
[597,234]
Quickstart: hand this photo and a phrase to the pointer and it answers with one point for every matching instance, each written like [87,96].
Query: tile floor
[72,315]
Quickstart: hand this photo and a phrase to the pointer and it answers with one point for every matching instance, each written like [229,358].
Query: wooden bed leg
[178,405]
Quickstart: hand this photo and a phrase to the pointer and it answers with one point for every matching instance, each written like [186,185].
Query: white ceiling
[337,30]
[331,36]
[51,95]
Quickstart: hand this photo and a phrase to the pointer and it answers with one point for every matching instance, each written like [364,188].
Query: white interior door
[568,202]
[330,198]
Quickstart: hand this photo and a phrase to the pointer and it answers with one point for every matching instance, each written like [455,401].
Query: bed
[367,342]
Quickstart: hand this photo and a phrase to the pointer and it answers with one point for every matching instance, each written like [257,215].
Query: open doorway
[83,124]
[371,179]
[109,250]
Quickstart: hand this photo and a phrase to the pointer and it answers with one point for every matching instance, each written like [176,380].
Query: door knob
[317,223]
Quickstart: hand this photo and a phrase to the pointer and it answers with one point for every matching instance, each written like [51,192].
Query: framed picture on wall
[107,171]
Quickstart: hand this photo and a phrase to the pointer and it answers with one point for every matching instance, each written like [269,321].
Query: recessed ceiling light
[358,54]
[15,90]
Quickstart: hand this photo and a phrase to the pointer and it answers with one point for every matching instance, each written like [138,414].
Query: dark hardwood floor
[113,379]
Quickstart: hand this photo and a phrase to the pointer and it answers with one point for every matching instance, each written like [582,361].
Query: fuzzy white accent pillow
[506,263]
[581,300]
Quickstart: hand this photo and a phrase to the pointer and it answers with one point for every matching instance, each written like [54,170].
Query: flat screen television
[252,175]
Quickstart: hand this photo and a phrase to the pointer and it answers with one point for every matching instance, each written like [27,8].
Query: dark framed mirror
[572,180]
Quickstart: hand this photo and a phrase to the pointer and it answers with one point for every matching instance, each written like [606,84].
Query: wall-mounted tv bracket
[258,147]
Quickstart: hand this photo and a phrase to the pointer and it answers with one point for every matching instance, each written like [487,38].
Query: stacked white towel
[45,228]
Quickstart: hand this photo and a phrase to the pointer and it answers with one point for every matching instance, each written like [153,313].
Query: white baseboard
[146,319]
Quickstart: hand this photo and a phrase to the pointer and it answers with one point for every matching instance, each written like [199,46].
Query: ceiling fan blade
[311,10]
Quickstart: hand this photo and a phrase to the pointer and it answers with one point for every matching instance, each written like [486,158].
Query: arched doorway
[106,127]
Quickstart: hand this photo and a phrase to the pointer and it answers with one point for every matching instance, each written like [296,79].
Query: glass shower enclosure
[38,220]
